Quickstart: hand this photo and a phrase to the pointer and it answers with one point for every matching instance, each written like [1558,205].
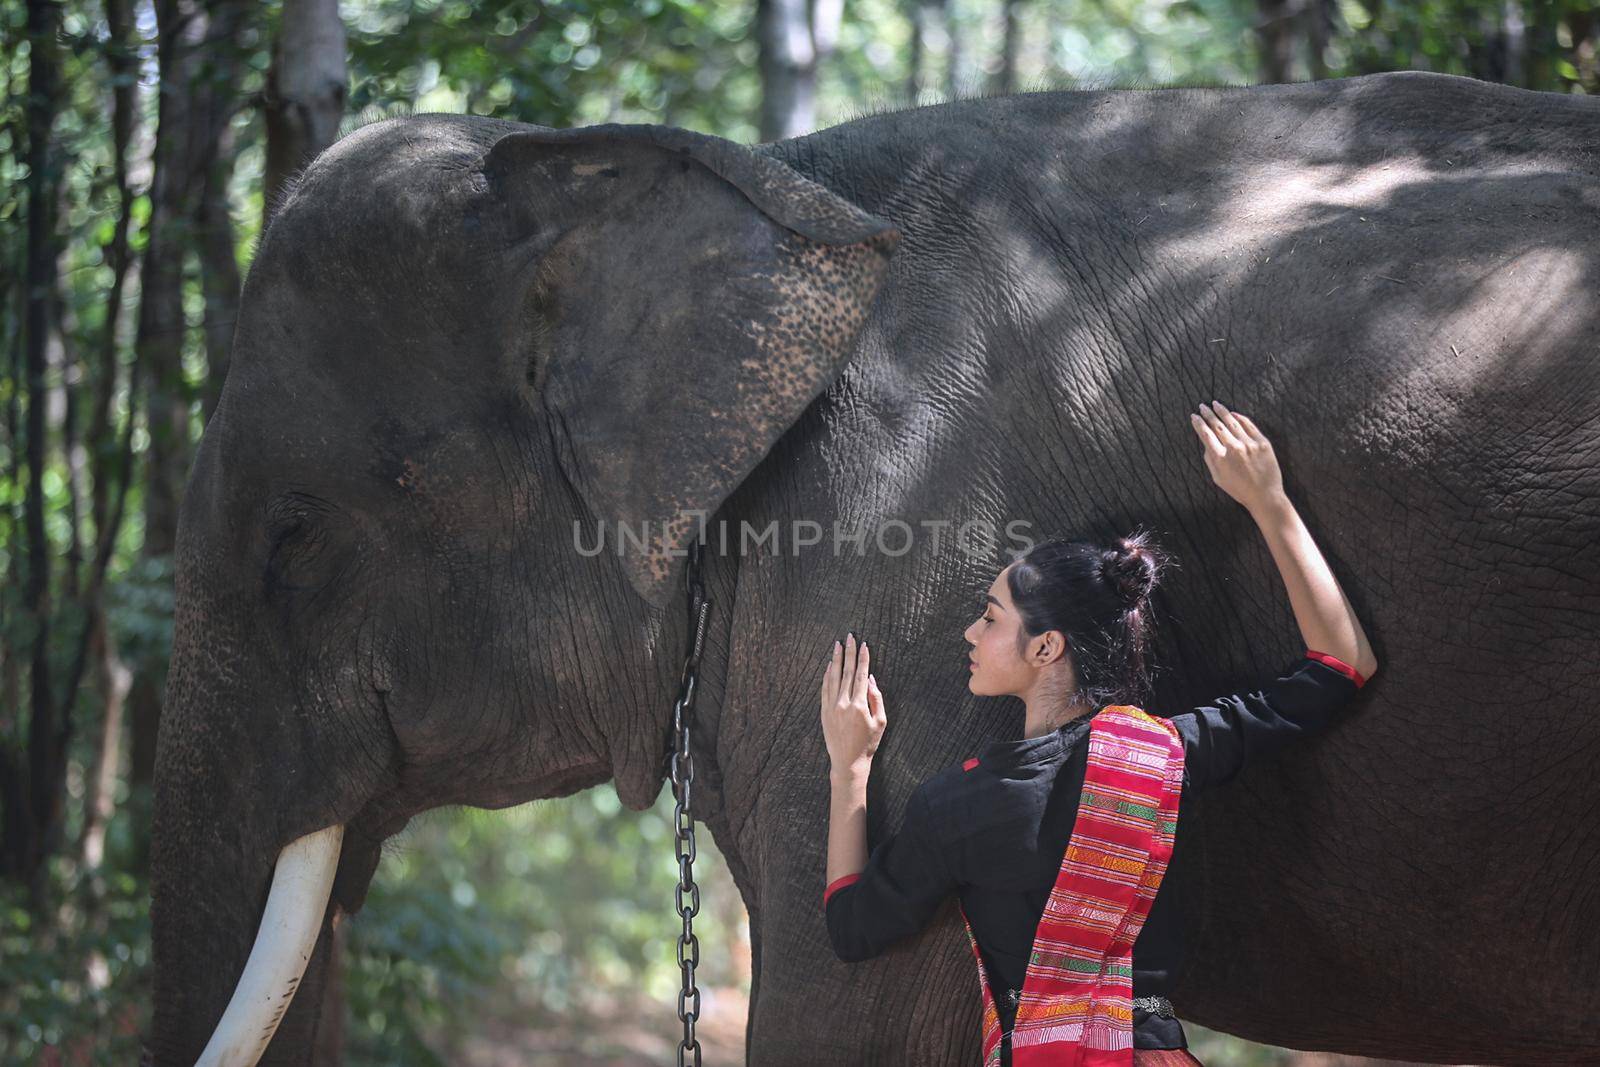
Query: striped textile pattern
[1076,1003]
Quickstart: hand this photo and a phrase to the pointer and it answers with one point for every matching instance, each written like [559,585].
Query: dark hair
[1098,596]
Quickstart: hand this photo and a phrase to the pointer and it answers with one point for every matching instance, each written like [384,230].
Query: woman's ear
[686,298]
[1051,646]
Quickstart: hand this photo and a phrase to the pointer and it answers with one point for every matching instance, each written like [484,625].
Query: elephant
[457,361]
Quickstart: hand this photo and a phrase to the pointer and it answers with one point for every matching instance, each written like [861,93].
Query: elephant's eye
[281,530]
[309,546]
[290,512]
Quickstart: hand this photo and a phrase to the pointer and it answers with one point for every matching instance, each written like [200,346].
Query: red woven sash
[1076,1005]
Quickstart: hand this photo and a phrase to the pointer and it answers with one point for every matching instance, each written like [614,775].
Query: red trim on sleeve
[1339,665]
[838,884]
[969,764]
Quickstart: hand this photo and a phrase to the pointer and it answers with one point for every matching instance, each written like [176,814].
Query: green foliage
[415,960]
[80,981]
[1217,1049]
[139,612]
[569,65]
[1471,38]
[566,902]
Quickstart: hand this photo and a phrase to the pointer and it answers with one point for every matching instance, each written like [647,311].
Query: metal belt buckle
[1155,1006]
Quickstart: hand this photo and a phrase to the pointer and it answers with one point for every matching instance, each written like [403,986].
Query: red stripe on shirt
[1339,665]
[838,884]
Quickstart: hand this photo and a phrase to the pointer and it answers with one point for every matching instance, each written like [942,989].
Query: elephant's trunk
[284,943]
[233,787]
[221,885]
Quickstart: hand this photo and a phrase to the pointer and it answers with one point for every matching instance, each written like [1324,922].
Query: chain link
[683,837]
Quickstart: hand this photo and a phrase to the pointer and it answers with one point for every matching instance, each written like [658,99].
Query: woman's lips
[971,666]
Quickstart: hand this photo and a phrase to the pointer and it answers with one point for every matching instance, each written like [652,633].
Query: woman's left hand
[853,719]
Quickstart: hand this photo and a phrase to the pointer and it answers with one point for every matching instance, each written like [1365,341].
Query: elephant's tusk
[301,883]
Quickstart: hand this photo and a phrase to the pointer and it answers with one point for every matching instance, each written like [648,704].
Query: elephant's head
[465,347]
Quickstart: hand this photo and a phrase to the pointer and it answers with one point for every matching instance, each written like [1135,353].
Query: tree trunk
[100,791]
[826,15]
[918,57]
[1318,28]
[1005,79]
[305,96]
[219,270]
[1275,39]
[952,53]
[37,788]
[99,438]
[788,69]
[200,59]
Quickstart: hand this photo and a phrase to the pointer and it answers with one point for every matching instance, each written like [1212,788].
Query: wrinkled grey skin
[444,359]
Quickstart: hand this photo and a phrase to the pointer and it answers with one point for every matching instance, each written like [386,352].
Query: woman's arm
[853,722]
[870,900]
[1223,737]
[1243,464]
[1327,621]
[847,824]
[896,892]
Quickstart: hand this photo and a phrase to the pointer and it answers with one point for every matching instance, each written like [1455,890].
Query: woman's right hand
[1238,455]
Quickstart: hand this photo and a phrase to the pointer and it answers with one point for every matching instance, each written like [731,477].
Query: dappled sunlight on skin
[1396,274]
[1275,196]
[1520,315]
[1389,221]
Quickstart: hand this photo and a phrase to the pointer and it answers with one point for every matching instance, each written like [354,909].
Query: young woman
[1058,843]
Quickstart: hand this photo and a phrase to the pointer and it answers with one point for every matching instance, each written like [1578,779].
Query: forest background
[143,143]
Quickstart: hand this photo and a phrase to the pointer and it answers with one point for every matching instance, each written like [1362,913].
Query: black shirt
[996,834]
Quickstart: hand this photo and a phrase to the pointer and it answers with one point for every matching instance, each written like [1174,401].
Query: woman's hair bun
[1097,594]
[1131,567]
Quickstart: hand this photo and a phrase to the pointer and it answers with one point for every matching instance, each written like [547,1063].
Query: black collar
[1028,750]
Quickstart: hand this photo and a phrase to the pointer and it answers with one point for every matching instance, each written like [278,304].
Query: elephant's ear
[686,299]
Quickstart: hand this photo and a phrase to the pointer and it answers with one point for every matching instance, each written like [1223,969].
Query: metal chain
[682,778]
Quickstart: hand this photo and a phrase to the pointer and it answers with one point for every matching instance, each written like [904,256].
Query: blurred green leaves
[82,981]
[556,907]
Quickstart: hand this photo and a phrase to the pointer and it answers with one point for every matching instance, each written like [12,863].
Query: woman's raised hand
[853,719]
[1238,455]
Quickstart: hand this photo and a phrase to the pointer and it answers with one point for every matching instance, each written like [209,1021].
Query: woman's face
[996,667]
